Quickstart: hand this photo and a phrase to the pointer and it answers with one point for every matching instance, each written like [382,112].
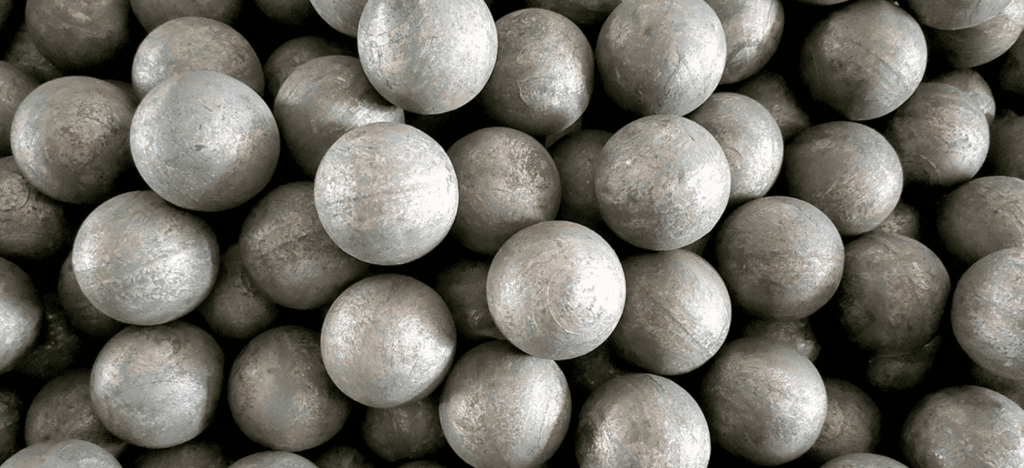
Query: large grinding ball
[15,85]
[280,394]
[753,31]
[236,308]
[964,426]
[574,155]
[987,312]
[386,193]
[71,453]
[292,54]
[853,423]
[193,43]
[797,333]
[764,402]
[33,226]
[662,182]
[556,290]
[158,386]
[677,312]
[864,59]
[893,294]
[273,459]
[941,136]
[288,13]
[780,257]
[507,181]
[79,36]
[142,261]
[642,420]
[63,410]
[847,170]
[501,408]
[981,217]
[980,44]
[661,57]
[289,255]
[427,57]
[322,100]
[955,14]
[21,314]
[750,138]
[70,138]
[544,73]
[153,13]
[388,340]
[205,141]
[342,15]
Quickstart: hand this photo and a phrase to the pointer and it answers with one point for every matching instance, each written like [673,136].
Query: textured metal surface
[753,30]
[153,13]
[955,14]
[81,314]
[853,423]
[32,225]
[405,432]
[581,12]
[273,459]
[463,285]
[62,454]
[21,314]
[63,410]
[771,90]
[235,308]
[981,217]
[79,36]
[574,156]
[796,333]
[979,44]
[292,53]
[863,460]
[342,15]
[194,454]
[15,85]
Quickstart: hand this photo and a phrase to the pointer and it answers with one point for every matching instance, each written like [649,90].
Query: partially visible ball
[69,453]
[21,314]
[982,216]
[986,312]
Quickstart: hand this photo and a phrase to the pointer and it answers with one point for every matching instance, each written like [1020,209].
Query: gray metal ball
[293,53]
[981,216]
[405,432]
[33,226]
[863,460]
[985,312]
[153,13]
[15,85]
[69,453]
[574,155]
[853,423]
[21,314]
[236,308]
[342,15]
[979,44]
[79,37]
[63,410]
[753,31]
[273,459]
[772,91]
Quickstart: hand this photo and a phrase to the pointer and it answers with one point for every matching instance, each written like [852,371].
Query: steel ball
[153,13]
[981,216]
[62,410]
[21,314]
[69,453]
[79,37]
[33,226]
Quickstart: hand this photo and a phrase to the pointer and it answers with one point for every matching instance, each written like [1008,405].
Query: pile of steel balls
[512,233]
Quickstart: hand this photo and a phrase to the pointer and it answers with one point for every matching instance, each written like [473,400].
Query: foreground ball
[388,340]
[69,453]
[642,420]
[142,261]
[386,193]
[986,313]
[427,57]
[661,57]
[157,387]
[502,408]
[556,290]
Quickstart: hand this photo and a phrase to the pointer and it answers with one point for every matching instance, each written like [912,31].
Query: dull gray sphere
[32,225]
[753,31]
[985,312]
[982,216]
[71,453]
[21,314]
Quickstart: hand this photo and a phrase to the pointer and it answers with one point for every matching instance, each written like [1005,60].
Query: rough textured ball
[853,423]
[63,410]
[342,15]
[662,182]
[1010,388]
[21,314]
[753,31]
[780,257]
[56,348]
[236,308]
[642,420]
[280,394]
[847,170]
[961,426]
[294,52]
[427,57]
[574,156]
[941,136]
[205,141]
[158,386]
[749,137]
[796,333]
[556,290]
[507,181]
[677,312]
[864,59]
[289,255]
[771,90]
[893,294]
[192,43]
[971,82]
[463,286]
[386,193]
[904,220]
[153,13]
[406,432]
[955,14]
[79,37]
[986,312]
[502,408]
[81,314]
[69,137]
[388,340]
[142,261]
[899,372]
[981,217]
[863,460]
[763,401]
[322,100]
[543,75]
[33,226]
[273,459]
[979,44]
[582,12]
[23,53]
[194,453]
[15,85]
[661,57]
[70,453]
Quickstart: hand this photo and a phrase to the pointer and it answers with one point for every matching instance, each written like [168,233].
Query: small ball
[157,386]
[772,91]
[556,290]
[388,340]
[15,85]
[463,286]
[986,312]
[574,156]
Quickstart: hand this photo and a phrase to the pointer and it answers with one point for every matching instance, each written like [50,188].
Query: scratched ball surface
[981,216]
[69,453]
[427,57]
[388,340]
[205,141]
[33,226]
[556,290]
[63,410]
[153,13]
[503,408]
[158,386]
[386,193]
[79,37]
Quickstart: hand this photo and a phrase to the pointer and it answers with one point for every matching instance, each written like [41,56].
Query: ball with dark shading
[84,317]
[236,308]
[158,386]
[981,217]
[405,432]
[32,225]
[21,314]
[981,43]
[772,91]
[796,333]
[195,453]
[294,52]
[780,257]
[273,459]
[853,423]
[955,14]
[753,31]
[153,13]
[386,193]
[143,261]
[342,15]
[463,286]
[63,410]
[582,12]
[16,84]
[69,453]
[503,408]
[70,138]
[863,460]
[574,155]
[662,182]
[642,420]
[556,290]
[971,82]
[388,340]
[12,422]
[986,312]
[79,37]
